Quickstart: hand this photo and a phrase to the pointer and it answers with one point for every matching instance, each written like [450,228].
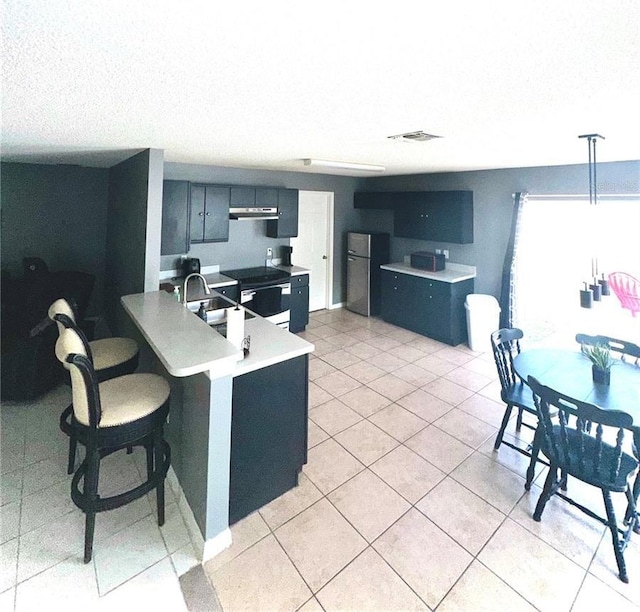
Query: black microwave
[425,260]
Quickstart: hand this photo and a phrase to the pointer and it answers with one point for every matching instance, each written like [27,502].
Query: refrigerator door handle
[350,259]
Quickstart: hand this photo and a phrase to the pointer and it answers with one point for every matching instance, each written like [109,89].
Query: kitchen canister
[235,325]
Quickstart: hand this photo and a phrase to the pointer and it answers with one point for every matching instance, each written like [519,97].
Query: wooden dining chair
[587,443]
[628,351]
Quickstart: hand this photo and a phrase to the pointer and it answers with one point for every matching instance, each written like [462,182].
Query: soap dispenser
[202,313]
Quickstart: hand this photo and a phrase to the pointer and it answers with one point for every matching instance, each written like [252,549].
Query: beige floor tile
[482,591]
[426,345]
[368,504]
[508,457]
[365,401]
[386,362]
[465,427]
[8,564]
[391,386]
[337,384]
[364,371]
[605,568]
[408,473]
[425,557]
[261,578]
[329,465]
[413,374]
[324,331]
[318,556]
[318,368]
[403,335]
[454,355]
[317,395]
[363,350]
[344,339]
[364,333]
[435,365]
[322,347]
[366,441]
[385,343]
[482,366]
[398,422]
[439,448]
[467,518]
[448,391]
[484,409]
[428,407]
[294,501]
[491,481]
[595,595]
[334,416]
[311,606]
[244,533]
[340,358]
[407,352]
[368,583]
[466,378]
[315,434]
[127,553]
[10,521]
[564,527]
[538,572]
[492,391]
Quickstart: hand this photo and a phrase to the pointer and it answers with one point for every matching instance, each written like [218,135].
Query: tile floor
[402,505]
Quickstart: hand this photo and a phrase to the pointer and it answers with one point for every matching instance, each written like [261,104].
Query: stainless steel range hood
[256,213]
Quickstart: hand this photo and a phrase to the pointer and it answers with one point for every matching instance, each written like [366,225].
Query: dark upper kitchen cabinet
[286,226]
[299,317]
[242,197]
[209,217]
[441,216]
[426,306]
[378,200]
[175,217]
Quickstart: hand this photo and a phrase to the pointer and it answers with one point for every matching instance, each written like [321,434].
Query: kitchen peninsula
[237,425]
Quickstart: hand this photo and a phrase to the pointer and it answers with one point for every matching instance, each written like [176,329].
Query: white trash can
[483,318]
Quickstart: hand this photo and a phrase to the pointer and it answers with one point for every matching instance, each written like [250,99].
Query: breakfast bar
[237,424]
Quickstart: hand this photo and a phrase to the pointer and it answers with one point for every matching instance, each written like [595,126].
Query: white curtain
[558,238]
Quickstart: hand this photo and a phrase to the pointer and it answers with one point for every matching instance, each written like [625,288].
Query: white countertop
[186,345]
[293,270]
[453,273]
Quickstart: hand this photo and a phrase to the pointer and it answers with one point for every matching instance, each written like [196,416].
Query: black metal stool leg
[91,495]
[73,444]
[158,452]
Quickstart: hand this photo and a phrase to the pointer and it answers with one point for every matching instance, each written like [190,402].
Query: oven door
[271,302]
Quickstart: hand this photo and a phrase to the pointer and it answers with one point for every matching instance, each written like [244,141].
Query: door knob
[324,257]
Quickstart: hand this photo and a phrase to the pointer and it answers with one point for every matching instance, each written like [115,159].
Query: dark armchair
[29,366]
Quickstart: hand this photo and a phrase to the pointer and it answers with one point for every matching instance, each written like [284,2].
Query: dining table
[569,372]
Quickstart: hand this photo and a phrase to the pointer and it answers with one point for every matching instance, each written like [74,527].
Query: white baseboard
[205,549]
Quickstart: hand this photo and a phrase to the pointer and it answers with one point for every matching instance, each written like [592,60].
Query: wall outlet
[438,251]
[445,252]
[269,253]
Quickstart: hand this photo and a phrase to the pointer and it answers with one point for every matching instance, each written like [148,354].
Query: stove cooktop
[260,274]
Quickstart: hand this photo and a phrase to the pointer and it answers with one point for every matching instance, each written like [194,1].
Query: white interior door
[313,247]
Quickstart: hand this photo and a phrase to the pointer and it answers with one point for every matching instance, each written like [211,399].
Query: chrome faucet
[184,286]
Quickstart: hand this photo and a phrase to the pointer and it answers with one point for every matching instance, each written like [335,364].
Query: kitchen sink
[215,308]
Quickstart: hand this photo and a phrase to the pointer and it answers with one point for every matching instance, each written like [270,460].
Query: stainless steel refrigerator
[366,252]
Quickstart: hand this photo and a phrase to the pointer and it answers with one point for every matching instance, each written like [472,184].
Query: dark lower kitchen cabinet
[175,217]
[428,307]
[440,216]
[286,226]
[299,316]
[209,216]
[268,434]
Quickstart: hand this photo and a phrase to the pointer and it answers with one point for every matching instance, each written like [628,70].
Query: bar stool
[109,416]
[111,357]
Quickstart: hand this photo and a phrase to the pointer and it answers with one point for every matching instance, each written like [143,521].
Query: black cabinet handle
[208,214]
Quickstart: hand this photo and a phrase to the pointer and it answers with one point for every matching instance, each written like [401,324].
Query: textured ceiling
[266,84]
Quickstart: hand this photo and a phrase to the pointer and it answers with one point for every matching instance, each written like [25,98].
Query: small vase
[601,377]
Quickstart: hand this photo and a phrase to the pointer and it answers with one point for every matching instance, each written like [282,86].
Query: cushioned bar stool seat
[111,357]
[110,416]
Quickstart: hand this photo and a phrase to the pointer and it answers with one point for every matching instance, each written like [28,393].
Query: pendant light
[593,292]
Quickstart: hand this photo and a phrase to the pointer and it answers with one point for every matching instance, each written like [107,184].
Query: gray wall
[247,241]
[493,205]
[126,234]
[57,213]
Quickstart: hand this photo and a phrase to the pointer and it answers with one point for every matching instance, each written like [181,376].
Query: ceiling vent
[418,136]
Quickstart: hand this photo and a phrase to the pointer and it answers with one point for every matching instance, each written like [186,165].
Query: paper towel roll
[235,326]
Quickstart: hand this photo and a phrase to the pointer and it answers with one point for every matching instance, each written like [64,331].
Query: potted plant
[601,360]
